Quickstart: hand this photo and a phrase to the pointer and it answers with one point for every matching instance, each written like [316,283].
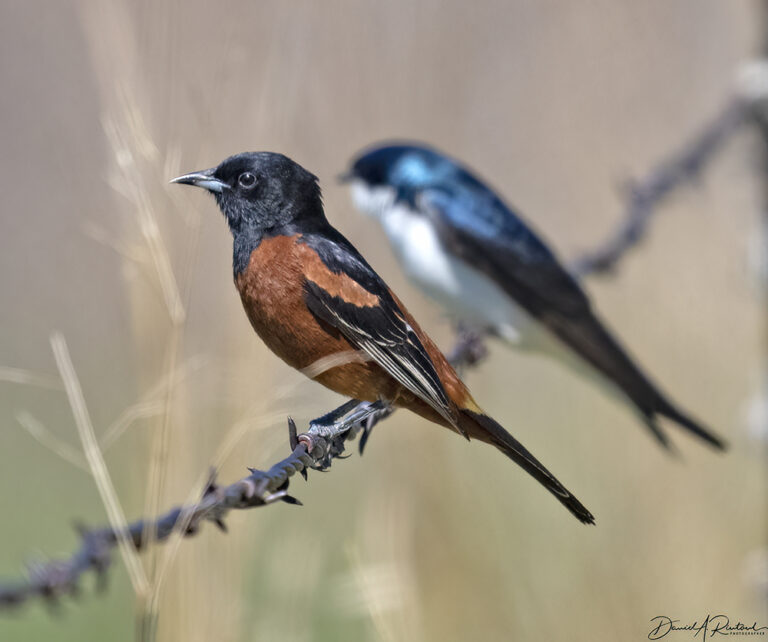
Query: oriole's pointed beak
[345,177]
[204,179]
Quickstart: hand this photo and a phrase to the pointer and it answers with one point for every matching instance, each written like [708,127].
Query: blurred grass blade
[96,462]
[46,438]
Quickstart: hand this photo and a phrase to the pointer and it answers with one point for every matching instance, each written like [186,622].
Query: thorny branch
[326,437]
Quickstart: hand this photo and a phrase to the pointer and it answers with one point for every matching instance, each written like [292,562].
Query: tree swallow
[465,247]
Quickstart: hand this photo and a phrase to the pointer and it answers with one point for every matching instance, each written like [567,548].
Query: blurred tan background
[426,537]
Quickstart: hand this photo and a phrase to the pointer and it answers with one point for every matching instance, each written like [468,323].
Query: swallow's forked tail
[482,427]
[666,409]
[588,337]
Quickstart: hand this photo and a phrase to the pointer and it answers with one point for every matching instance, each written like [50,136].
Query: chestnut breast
[272,291]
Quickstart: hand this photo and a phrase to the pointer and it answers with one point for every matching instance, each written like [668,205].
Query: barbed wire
[645,195]
[324,441]
[315,449]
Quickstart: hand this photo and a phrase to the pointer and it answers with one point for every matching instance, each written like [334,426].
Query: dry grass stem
[96,462]
[46,438]
[29,378]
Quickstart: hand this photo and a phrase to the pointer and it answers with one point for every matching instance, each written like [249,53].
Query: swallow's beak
[204,179]
[345,177]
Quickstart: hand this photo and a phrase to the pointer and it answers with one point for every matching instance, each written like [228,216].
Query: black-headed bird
[319,306]
[464,246]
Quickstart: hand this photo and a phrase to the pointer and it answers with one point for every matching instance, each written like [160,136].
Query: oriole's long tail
[482,427]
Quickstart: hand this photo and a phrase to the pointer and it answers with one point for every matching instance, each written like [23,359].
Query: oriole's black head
[260,191]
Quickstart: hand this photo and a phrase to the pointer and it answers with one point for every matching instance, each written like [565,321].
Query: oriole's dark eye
[246,180]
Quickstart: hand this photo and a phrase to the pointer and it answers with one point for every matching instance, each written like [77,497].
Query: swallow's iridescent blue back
[475,224]
[464,200]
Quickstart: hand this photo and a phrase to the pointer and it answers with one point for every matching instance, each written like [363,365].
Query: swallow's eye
[246,180]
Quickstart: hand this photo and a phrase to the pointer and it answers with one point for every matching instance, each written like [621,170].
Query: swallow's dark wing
[475,225]
[529,272]
[374,324]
